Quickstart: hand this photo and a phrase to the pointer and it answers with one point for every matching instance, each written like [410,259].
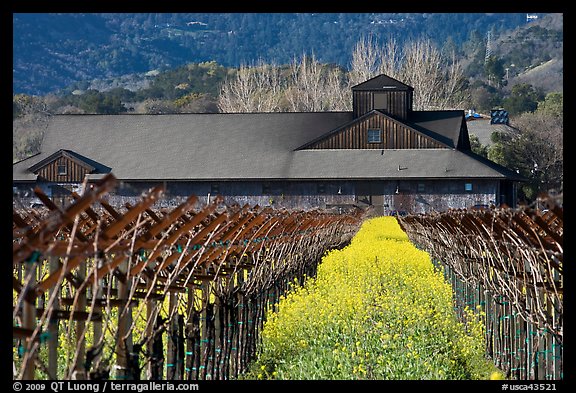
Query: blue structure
[498,116]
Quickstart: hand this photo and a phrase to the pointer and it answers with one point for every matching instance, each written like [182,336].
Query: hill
[52,51]
[533,53]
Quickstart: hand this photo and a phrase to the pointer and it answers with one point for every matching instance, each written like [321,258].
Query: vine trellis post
[140,291]
[509,262]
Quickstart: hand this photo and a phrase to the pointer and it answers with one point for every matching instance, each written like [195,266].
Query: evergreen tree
[523,98]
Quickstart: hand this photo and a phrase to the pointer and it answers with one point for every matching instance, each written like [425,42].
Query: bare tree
[366,60]
[305,91]
[31,115]
[309,87]
[391,59]
[437,83]
[254,89]
[315,87]
[453,92]
[421,69]
[543,146]
[370,59]
[312,86]
[338,91]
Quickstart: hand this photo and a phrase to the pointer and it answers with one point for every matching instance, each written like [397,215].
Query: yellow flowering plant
[377,309]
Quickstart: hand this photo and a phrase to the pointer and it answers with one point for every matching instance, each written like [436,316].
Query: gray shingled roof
[237,146]
[382,82]
[441,125]
[483,129]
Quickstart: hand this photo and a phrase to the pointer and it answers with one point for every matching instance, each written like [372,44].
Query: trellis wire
[201,277]
[508,262]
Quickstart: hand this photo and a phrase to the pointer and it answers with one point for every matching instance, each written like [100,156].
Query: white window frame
[60,172]
[370,135]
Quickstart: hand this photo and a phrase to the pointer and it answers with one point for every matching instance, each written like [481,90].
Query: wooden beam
[100,302]
[171,240]
[39,240]
[76,315]
[89,211]
[20,332]
[170,218]
[114,229]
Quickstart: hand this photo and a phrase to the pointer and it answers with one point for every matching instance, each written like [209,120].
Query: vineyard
[189,292]
[378,309]
[180,294]
[509,262]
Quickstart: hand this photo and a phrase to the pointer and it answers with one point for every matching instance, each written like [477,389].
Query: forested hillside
[52,51]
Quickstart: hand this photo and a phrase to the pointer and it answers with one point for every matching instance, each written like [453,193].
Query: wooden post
[491,314]
[80,373]
[53,326]
[29,321]
[235,318]
[172,359]
[514,344]
[150,318]
[209,363]
[195,345]
[97,324]
[241,327]
[226,339]
[549,357]
[190,337]
[157,363]
[556,346]
[217,337]
[246,338]
[204,344]
[530,333]
[124,344]
[541,356]
[522,349]
[497,330]
[180,354]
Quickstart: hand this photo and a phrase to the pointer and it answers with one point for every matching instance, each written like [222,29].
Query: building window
[215,189]
[421,187]
[321,188]
[61,169]
[374,135]
[468,186]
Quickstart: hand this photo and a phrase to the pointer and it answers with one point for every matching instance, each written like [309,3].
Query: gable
[382,82]
[61,166]
[394,135]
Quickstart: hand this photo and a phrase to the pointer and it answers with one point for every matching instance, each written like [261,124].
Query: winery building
[381,154]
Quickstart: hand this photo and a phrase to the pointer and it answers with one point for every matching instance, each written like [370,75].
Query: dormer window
[62,169]
[374,135]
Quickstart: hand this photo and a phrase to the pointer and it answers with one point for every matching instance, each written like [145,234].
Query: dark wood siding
[362,103]
[394,136]
[396,103]
[74,171]
[464,140]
